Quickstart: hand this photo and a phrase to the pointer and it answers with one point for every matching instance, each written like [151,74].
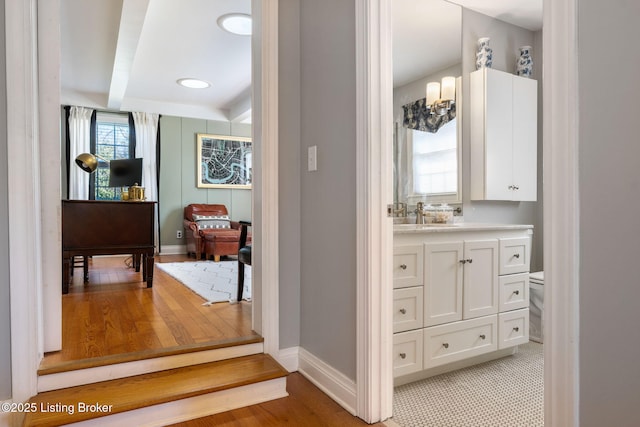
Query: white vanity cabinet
[503,135]
[468,294]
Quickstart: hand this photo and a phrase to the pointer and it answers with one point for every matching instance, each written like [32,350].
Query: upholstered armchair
[209,232]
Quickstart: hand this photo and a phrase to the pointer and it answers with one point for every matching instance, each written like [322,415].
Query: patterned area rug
[507,392]
[213,281]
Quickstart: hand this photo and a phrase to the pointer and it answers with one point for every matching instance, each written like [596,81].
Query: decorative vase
[524,64]
[484,54]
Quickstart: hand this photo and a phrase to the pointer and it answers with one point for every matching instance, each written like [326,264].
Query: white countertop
[461,226]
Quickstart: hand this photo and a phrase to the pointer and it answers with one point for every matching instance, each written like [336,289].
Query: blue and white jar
[524,64]
[484,54]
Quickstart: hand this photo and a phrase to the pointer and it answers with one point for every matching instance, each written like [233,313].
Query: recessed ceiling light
[193,83]
[236,23]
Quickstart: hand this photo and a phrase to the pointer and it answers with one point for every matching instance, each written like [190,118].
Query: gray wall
[5,308]
[505,40]
[289,171]
[328,205]
[609,181]
[178,174]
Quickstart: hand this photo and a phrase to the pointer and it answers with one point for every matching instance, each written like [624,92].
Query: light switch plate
[312,158]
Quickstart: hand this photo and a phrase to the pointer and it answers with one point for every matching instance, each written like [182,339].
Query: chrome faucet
[420,216]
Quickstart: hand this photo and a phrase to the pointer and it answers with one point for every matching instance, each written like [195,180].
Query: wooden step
[160,398]
[80,372]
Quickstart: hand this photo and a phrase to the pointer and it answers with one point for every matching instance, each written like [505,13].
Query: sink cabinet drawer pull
[403,266]
[483,336]
[516,329]
[516,292]
[516,255]
[403,311]
[403,355]
[445,345]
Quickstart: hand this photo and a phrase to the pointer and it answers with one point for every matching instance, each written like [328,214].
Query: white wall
[609,182]
[328,205]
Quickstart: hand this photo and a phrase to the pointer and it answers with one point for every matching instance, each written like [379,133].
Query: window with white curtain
[112,141]
[435,161]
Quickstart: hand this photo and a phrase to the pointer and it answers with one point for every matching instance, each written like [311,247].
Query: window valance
[417,116]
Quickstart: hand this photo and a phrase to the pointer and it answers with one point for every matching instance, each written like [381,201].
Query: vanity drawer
[513,328]
[459,340]
[407,352]
[515,255]
[407,309]
[514,291]
[408,262]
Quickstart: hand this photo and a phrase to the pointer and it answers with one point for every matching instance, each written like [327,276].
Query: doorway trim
[374,239]
[561,212]
[265,208]
[26,97]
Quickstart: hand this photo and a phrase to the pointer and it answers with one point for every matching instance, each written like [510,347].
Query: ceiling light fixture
[236,23]
[193,83]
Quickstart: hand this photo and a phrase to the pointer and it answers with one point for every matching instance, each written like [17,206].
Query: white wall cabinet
[503,124]
[470,295]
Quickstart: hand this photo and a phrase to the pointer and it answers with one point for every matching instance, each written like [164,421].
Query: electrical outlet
[179,234]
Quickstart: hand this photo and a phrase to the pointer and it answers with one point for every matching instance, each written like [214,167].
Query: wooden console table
[96,227]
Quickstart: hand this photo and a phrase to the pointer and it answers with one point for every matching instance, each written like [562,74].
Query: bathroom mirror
[427,46]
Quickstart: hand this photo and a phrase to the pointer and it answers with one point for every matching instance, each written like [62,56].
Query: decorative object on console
[524,64]
[89,162]
[484,54]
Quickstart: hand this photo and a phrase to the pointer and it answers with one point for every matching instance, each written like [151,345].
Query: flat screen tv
[125,172]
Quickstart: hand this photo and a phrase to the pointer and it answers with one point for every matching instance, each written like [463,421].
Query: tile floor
[507,392]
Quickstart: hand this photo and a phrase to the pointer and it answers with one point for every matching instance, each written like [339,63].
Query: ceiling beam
[131,22]
[240,109]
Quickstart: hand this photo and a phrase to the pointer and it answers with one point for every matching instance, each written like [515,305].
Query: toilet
[536,305]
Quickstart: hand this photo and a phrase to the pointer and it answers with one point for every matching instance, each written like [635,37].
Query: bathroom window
[435,161]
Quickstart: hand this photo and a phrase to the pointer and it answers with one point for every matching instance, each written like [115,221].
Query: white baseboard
[289,358]
[332,382]
[173,249]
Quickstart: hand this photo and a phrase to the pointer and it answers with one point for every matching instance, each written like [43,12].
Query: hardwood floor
[116,315]
[305,406]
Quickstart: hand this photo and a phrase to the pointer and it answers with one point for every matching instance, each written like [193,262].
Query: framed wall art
[224,161]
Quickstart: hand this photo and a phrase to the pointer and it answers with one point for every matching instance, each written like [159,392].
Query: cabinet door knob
[483,336]
[403,311]
[403,355]
[445,345]
[516,292]
[516,329]
[463,261]
[515,187]
[511,187]
[470,260]
[516,255]
[403,266]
